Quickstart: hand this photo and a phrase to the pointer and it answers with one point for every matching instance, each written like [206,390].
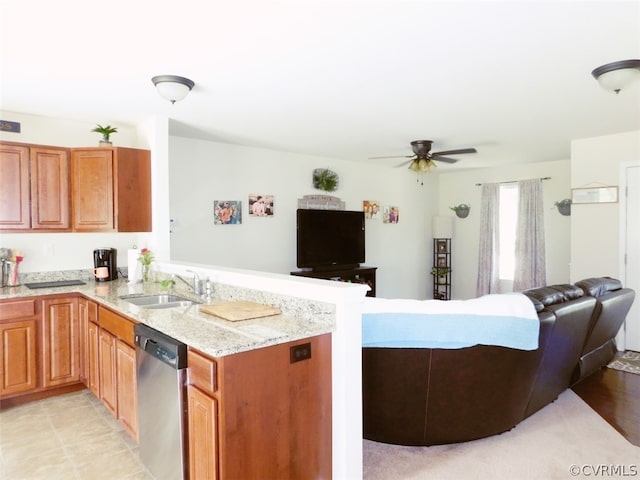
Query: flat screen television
[329,238]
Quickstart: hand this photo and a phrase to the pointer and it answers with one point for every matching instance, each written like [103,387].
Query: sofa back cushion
[542,297]
[598,286]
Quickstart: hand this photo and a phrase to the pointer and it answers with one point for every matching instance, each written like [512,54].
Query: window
[508,219]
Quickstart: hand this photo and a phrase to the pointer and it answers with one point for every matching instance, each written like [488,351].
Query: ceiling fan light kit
[173,87]
[422,160]
[617,75]
[422,165]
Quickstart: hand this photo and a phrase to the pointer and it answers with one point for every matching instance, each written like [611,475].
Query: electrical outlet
[300,352]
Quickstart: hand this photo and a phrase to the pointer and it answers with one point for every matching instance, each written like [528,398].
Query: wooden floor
[615,395]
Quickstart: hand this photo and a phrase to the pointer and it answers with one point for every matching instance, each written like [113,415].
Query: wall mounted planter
[462,210]
[564,207]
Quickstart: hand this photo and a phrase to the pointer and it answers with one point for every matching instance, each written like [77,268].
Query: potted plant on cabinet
[106,133]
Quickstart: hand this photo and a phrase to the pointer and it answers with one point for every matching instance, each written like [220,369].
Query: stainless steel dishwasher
[161,370]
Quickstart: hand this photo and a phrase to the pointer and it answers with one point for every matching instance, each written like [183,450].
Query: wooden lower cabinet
[93,360]
[273,409]
[19,322]
[203,435]
[107,370]
[61,342]
[127,388]
[87,312]
[115,362]
[54,343]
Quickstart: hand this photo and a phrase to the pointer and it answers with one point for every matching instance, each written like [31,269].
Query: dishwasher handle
[160,346]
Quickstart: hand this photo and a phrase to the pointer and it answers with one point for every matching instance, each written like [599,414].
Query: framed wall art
[261,205]
[227,212]
[390,214]
[371,209]
[594,195]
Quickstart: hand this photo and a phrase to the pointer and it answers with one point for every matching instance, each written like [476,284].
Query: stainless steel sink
[159,301]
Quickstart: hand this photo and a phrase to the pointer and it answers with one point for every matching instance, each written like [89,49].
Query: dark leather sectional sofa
[422,396]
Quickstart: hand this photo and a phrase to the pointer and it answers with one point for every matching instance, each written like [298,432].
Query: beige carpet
[564,440]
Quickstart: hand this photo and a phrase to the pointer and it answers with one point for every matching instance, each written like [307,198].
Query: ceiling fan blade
[438,158]
[393,156]
[404,164]
[456,152]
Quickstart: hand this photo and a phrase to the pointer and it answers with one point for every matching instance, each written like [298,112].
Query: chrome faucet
[196,285]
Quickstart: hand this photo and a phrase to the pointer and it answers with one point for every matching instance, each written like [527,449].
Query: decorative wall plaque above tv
[321,202]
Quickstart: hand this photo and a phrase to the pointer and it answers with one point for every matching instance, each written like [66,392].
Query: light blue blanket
[507,320]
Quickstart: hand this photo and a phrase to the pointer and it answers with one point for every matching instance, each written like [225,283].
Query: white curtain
[530,269]
[488,252]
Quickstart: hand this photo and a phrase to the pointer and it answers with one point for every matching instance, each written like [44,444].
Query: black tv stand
[344,273]
[334,268]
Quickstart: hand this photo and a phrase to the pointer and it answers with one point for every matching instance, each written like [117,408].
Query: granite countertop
[210,334]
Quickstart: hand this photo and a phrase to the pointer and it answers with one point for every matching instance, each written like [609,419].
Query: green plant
[146,256]
[325,179]
[440,271]
[460,208]
[563,203]
[564,207]
[166,283]
[105,131]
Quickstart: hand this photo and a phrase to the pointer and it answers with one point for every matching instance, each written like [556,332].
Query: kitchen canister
[4,274]
[9,273]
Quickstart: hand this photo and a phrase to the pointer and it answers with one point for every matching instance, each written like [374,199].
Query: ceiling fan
[423,158]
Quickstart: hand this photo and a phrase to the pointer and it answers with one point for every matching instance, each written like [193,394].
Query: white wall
[68,251]
[460,187]
[200,172]
[595,244]
[203,171]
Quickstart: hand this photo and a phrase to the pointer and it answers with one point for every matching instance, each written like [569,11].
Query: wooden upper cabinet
[14,187]
[34,188]
[92,180]
[111,189]
[50,193]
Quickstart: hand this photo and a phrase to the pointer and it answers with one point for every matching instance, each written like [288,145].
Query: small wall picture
[227,212]
[371,209]
[442,261]
[260,205]
[442,246]
[390,214]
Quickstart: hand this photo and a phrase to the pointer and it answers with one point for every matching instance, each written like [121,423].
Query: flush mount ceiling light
[617,75]
[172,87]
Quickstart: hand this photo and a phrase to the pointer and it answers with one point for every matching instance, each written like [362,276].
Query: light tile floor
[68,437]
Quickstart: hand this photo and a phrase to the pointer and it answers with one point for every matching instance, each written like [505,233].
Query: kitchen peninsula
[257,391]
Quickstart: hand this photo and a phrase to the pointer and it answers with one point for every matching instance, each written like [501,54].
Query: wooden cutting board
[240,310]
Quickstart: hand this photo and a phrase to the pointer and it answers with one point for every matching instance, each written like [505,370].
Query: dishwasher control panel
[160,346]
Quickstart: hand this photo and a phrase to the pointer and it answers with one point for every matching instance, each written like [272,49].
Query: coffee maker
[106,257]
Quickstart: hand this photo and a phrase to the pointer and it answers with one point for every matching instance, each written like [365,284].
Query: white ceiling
[343,79]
